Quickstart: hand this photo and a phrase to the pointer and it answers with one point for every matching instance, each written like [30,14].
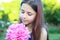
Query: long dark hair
[39,19]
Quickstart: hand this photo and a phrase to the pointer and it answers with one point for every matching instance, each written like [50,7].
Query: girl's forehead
[27,7]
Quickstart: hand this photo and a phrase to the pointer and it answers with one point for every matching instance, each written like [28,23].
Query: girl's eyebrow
[22,9]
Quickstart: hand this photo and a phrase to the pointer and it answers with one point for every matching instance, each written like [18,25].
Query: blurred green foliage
[52,11]
[53,29]
[9,11]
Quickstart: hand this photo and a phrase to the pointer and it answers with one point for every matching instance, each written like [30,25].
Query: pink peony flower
[17,32]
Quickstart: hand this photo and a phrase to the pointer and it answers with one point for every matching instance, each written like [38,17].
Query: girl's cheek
[21,15]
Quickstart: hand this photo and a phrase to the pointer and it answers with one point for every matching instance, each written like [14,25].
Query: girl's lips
[24,20]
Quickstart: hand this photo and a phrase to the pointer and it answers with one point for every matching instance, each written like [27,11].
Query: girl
[31,14]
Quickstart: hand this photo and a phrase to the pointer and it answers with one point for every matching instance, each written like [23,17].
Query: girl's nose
[25,16]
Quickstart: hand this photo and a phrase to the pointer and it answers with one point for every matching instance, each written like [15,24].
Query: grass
[54,33]
[54,36]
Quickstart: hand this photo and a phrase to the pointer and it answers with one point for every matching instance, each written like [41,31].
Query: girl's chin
[25,23]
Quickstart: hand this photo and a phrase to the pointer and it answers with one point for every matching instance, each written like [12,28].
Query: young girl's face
[27,14]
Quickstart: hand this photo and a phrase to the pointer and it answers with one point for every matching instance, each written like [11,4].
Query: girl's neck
[29,26]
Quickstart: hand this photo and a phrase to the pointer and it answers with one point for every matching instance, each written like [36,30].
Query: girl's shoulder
[44,29]
[43,33]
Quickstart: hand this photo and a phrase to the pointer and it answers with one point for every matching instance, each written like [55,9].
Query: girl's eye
[22,12]
[29,14]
